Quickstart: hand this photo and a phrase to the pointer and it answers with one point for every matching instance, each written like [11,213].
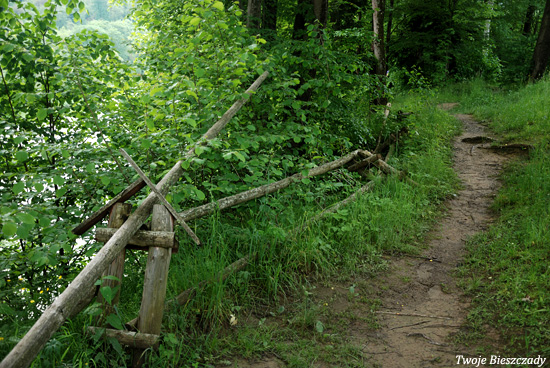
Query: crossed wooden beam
[168,206]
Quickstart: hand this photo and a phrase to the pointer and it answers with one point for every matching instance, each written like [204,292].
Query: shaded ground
[420,309]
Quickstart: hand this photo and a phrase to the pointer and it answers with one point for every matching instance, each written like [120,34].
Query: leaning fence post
[119,213]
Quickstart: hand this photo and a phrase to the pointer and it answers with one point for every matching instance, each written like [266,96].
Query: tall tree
[529,19]
[379,7]
[254,13]
[269,14]
[541,56]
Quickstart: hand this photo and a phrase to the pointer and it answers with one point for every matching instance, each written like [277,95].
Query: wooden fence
[123,231]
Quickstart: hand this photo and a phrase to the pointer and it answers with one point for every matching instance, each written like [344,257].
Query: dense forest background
[81,79]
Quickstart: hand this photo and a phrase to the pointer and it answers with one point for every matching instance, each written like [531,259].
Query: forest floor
[419,313]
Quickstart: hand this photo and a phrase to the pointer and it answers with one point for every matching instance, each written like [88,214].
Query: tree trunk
[487,30]
[303,15]
[389,27]
[541,56]
[379,7]
[269,14]
[320,9]
[254,14]
[529,20]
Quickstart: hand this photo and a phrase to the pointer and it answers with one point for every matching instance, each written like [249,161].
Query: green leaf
[195,21]
[239,156]
[306,181]
[60,192]
[39,187]
[21,156]
[23,231]
[26,218]
[111,277]
[44,221]
[114,321]
[200,195]
[65,153]
[218,5]
[107,293]
[9,229]
[150,123]
[58,180]
[6,310]
[90,168]
[42,113]
[18,187]
[319,327]
[105,180]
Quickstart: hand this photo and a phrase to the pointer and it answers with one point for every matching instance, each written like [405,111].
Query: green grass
[392,218]
[507,270]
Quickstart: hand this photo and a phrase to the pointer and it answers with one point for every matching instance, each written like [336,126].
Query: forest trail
[408,340]
[420,307]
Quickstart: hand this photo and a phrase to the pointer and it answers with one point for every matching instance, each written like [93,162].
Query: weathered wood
[251,194]
[119,213]
[163,239]
[57,313]
[163,200]
[156,278]
[361,164]
[97,216]
[129,338]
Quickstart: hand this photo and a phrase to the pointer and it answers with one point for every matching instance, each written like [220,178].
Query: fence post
[119,213]
[154,285]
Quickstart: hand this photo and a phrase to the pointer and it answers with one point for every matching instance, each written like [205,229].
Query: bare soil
[420,308]
[407,340]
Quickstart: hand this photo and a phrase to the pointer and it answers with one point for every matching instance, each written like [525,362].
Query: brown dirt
[421,341]
[420,306]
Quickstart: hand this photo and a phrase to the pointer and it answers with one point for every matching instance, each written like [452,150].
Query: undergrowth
[288,248]
[507,269]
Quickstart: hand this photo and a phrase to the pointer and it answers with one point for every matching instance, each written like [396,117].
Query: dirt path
[406,340]
[421,308]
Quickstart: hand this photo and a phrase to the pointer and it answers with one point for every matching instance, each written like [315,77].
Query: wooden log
[163,200]
[251,194]
[57,313]
[163,239]
[97,216]
[156,279]
[363,163]
[129,338]
[119,213]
